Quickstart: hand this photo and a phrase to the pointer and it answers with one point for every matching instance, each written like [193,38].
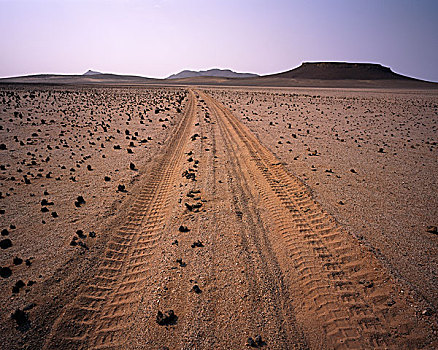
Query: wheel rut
[99,316]
[342,296]
[272,261]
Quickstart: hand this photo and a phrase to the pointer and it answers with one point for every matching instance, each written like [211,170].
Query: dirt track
[269,260]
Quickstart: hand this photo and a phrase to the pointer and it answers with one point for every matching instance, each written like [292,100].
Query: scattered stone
[54,214]
[181,262]
[250,342]
[5,272]
[45,202]
[430,229]
[3,147]
[17,261]
[353,171]
[5,243]
[18,285]
[21,318]
[132,166]
[107,178]
[121,188]
[427,312]
[168,318]
[29,306]
[28,262]
[79,201]
[92,234]
[83,245]
[183,229]
[259,341]
[5,232]
[197,244]
[80,234]
[196,289]
[175,242]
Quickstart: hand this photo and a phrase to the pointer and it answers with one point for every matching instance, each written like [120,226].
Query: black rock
[54,214]
[17,261]
[132,166]
[29,306]
[196,289]
[197,244]
[80,234]
[18,285]
[83,245]
[181,263]
[92,234]
[121,188]
[5,272]
[5,232]
[430,229]
[45,202]
[183,229]
[5,243]
[21,318]
[251,342]
[107,178]
[427,312]
[168,318]
[259,341]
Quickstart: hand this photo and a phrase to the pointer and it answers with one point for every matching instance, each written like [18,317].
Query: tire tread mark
[99,317]
[325,270]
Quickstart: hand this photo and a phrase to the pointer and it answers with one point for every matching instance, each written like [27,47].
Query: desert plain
[209,217]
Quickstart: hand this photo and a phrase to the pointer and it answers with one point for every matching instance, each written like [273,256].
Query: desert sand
[218,218]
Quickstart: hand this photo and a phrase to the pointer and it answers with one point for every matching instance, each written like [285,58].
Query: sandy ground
[218,220]
[389,138]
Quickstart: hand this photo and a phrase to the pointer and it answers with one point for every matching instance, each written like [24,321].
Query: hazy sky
[156,38]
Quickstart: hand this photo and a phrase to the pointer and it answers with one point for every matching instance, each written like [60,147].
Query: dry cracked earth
[174,218]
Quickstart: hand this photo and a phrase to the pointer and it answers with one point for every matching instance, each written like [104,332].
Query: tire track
[262,270]
[345,296]
[100,315]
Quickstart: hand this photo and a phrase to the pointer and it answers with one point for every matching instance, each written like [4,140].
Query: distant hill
[340,71]
[91,72]
[308,74]
[94,78]
[223,73]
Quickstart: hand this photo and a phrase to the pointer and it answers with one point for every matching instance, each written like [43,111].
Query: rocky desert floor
[218,218]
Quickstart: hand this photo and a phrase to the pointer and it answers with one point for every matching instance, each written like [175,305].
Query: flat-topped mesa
[341,71]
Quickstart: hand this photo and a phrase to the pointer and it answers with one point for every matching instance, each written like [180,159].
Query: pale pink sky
[156,38]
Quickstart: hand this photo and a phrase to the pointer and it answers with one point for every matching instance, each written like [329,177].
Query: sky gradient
[156,38]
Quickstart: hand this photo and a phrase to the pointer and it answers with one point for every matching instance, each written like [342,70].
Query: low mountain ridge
[92,72]
[215,72]
[341,71]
